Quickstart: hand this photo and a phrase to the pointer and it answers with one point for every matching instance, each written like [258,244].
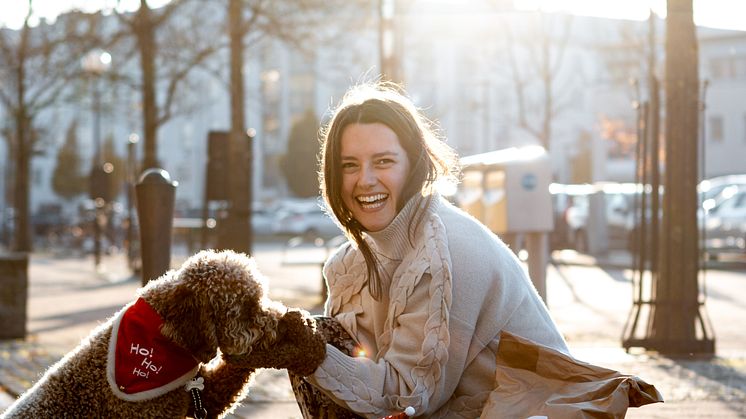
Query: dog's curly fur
[216,300]
[299,347]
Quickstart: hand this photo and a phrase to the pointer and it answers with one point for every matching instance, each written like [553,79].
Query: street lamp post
[96,63]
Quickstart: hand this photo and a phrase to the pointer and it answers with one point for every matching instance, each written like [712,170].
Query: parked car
[304,218]
[725,223]
[722,214]
[710,189]
[262,220]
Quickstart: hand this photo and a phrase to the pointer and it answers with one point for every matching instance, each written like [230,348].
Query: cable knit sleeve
[413,351]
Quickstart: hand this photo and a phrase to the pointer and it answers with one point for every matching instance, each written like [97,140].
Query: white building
[456,66]
[723,65]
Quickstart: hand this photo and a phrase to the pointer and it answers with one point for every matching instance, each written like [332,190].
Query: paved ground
[590,303]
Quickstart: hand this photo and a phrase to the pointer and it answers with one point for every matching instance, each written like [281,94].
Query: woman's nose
[368,177]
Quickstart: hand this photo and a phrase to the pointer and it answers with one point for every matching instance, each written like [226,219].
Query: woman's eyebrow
[385,153]
[375,156]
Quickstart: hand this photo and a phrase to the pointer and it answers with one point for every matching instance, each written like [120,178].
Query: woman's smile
[372,202]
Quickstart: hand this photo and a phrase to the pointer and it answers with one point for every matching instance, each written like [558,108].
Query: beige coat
[431,341]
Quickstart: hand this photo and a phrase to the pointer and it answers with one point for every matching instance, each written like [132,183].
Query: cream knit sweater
[430,342]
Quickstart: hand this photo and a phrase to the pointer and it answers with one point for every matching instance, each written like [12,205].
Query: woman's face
[374,170]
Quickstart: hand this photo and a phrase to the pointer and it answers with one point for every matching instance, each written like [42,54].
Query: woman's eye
[348,166]
[384,161]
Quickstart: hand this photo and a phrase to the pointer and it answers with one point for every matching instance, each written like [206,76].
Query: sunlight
[630,9]
[15,12]
[725,14]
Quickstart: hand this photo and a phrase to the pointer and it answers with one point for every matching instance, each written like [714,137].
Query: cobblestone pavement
[590,305]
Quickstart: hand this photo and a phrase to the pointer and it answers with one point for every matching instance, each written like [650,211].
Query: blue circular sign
[528,181]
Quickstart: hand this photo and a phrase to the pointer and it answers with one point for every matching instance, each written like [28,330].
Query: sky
[725,14]
[12,12]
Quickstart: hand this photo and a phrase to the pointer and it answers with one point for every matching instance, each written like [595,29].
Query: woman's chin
[376,225]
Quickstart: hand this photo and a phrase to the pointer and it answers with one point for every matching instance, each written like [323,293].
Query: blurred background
[604,141]
[94,92]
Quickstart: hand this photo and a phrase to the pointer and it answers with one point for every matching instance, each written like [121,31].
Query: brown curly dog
[138,362]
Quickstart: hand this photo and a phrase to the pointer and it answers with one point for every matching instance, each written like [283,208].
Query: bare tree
[168,49]
[36,64]
[300,24]
[535,58]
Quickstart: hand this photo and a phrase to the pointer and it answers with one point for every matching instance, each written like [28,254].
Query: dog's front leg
[225,385]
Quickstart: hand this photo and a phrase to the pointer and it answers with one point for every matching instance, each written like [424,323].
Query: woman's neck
[394,240]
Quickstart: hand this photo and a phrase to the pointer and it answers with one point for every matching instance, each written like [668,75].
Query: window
[717,129]
[739,66]
[729,67]
[740,200]
[36,177]
[719,68]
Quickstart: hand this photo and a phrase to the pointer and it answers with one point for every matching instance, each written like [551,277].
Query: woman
[422,288]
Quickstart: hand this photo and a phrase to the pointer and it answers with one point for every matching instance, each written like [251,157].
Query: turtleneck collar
[393,241]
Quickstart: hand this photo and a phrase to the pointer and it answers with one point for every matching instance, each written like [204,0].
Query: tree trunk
[21,202]
[237,232]
[22,242]
[145,33]
[676,292]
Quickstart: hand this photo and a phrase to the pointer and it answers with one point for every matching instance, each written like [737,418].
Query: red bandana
[145,359]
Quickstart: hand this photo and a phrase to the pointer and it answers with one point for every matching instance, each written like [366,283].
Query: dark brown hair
[429,158]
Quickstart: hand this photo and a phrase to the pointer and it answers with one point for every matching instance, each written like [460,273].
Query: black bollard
[13,295]
[155,193]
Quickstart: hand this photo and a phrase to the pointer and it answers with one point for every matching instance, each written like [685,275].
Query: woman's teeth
[372,201]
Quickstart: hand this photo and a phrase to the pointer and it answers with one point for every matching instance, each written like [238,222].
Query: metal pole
[8,201]
[537,244]
[98,205]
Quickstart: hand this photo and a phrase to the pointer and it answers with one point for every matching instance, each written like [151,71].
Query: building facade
[487,75]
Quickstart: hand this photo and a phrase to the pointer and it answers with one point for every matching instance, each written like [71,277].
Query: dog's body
[214,301]
[76,386]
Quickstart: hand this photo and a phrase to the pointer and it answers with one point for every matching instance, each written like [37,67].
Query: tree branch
[176,78]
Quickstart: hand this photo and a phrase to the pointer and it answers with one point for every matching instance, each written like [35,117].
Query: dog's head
[215,300]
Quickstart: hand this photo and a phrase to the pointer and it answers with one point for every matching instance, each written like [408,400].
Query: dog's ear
[240,326]
[247,323]
[238,299]
[226,292]
[188,321]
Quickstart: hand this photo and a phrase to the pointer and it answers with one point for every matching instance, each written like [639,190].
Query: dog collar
[142,363]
